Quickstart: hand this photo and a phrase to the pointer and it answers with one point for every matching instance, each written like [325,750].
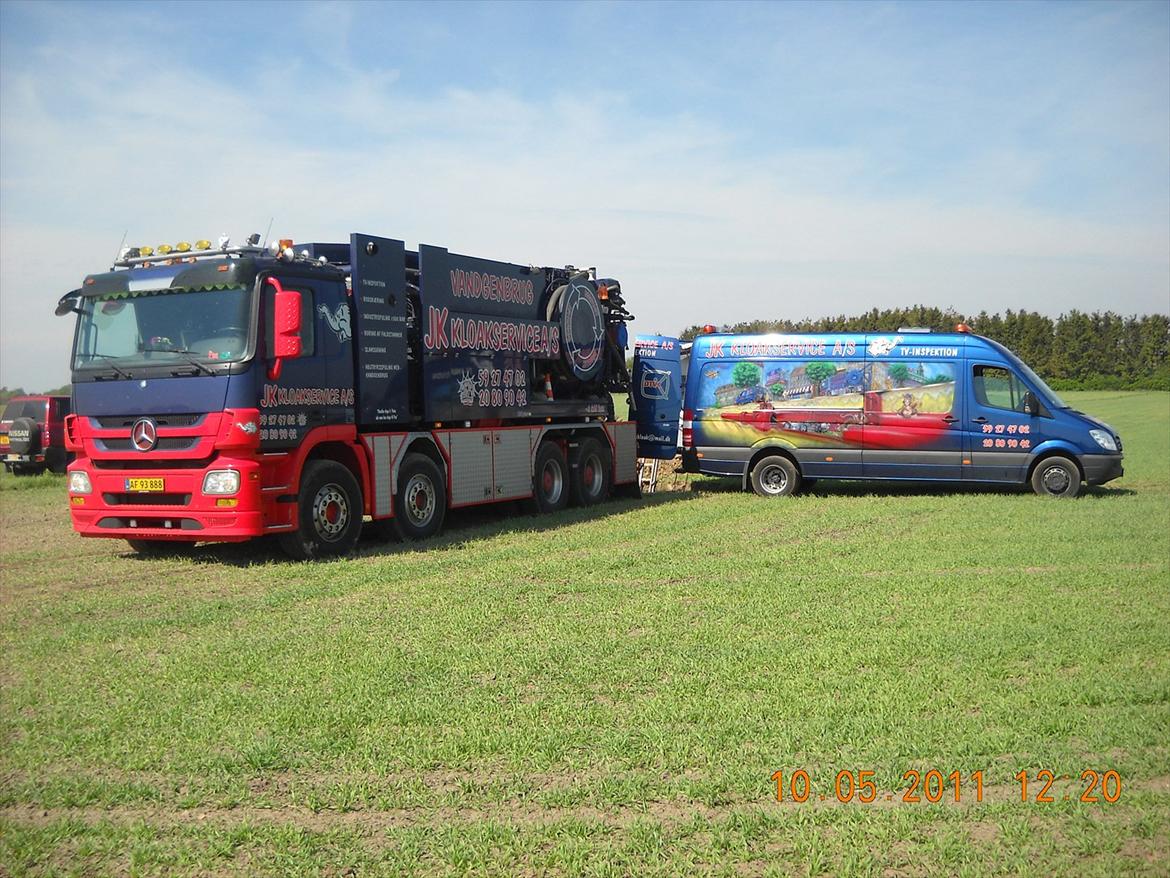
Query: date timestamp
[933,786]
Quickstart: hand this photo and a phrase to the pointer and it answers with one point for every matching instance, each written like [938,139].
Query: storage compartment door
[471,467]
[513,463]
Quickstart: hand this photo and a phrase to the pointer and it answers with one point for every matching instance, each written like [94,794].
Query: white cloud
[93,142]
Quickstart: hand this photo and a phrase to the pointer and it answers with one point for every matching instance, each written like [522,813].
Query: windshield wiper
[119,372]
[187,355]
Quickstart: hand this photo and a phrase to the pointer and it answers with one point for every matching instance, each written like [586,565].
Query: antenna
[266,231]
[118,252]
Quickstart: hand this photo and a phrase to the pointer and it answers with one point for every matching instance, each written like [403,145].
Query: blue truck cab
[781,411]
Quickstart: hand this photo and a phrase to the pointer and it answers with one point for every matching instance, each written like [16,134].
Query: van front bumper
[1102,468]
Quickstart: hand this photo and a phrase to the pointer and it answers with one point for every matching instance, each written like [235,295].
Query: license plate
[145,486]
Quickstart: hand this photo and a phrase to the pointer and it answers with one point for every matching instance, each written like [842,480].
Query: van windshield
[1036,381]
[1049,395]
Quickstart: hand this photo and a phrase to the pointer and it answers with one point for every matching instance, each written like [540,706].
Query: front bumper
[180,512]
[1102,468]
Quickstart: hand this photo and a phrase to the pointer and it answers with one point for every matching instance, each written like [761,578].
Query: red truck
[224,392]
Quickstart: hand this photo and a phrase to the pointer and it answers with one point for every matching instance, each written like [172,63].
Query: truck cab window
[997,387]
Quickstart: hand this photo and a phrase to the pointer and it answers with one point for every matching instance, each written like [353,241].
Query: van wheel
[590,473]
[775,476]
[550,479]
[1056,477]
[329,513]
[421,502]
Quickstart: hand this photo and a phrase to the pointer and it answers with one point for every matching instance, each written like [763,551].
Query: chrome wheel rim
[1056,480]
[592,476]
[420,500]
[774,479]
[330,512]
[552,481]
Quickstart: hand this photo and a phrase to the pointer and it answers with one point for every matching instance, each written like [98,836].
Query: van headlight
[221,481]
[79,482]
[1104,439]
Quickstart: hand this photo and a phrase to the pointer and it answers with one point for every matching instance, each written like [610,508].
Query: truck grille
[145,462]
[113,422]
[121,499]
[165,443]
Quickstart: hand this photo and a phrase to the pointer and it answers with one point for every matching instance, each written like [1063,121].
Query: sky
[725,161]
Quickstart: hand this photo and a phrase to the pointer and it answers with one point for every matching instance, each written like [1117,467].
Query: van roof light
[962,327]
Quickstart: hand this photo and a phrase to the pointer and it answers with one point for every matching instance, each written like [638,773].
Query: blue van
[781,411]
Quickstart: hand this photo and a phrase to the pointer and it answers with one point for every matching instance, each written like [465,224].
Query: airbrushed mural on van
[782,411]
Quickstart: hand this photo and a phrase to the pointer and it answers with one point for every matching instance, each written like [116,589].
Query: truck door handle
[950,419]
[980,420]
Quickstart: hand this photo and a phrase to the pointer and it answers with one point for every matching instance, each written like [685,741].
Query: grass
[604,692]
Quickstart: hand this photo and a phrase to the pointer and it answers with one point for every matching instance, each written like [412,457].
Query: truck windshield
[175,327]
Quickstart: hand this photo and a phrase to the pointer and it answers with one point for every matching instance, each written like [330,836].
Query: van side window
[997,387]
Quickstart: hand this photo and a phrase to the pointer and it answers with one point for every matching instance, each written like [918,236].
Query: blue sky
[725,161]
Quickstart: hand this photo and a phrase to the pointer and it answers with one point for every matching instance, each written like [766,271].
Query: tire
[24,436]
[420,504]
[590,473]
[57,460]
[161,548]
[1056,477]
[775,476]
[550,479]
[329,513]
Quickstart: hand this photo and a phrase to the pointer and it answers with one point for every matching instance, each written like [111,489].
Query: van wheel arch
[1047,456]
[768,451]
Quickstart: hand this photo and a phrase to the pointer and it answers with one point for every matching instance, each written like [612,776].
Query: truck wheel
[161,548]
[329,513]
[1056,477]
[590,473]
[775,476]
[550,479]
[421,502]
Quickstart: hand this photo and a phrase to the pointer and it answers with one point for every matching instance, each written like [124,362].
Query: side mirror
[1031,404]
[286,329]
[67,304]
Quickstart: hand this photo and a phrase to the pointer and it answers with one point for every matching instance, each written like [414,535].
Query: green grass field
[604,692]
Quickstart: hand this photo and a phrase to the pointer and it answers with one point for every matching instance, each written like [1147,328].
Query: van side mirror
[1031,404]
[286,328]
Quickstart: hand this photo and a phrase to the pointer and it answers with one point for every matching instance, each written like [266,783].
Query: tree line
[1075,351]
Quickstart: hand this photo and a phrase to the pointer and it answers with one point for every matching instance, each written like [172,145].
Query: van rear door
[657,394]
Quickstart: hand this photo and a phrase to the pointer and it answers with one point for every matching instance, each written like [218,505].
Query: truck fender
[340,434]
[385,453]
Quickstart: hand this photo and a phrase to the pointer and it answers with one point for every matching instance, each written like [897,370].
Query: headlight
[79,483]
[1104,439]
[221,481]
